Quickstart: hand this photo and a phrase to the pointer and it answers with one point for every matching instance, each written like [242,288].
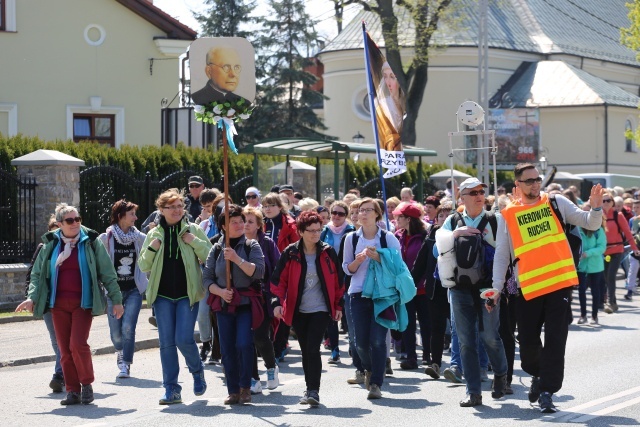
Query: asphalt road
[601,388]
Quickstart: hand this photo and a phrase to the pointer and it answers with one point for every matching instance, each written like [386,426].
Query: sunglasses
[70,221]
[474,193]
[194,185]
[607,200]
[250,196]
[340,214]
[531,181]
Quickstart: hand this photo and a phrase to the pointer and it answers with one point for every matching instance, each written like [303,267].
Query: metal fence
[17,217]
[102,186]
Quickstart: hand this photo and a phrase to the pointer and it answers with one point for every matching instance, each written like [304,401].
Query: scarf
[337,230]
[123,238]
[69,244]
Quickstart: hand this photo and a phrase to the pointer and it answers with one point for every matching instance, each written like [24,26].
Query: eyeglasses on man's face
[474,193]
[531,181]
[195,185]
[70,221]
[227,67]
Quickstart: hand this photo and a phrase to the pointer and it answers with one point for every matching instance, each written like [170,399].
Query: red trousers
[72,324]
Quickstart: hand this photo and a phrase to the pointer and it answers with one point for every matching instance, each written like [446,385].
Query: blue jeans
[466,319]
[352,331]
[370,338]
[236,346]
[176,323]
[204,321]
[48,320]
[455,348]
[123,330]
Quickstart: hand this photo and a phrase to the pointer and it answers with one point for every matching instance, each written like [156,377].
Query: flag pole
[374,121]
[225,189]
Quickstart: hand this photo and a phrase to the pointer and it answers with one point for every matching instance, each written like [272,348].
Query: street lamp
[543,164]
[358,138]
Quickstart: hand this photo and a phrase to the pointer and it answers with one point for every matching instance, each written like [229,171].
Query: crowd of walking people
[473,271]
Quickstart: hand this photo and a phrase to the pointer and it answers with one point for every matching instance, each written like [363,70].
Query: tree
[630,37]
[426,16]
[225,18]
[286,96]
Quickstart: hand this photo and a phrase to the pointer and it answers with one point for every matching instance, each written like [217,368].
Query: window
[630,144]
[3,17]
[98,127]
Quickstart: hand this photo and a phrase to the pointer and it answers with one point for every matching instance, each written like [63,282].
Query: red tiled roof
[174,28]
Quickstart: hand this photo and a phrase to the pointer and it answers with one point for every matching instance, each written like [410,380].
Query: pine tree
[225,18]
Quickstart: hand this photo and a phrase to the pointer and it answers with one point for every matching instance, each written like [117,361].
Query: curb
[16,319]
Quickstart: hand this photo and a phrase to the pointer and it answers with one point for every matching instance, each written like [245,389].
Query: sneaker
[87,394]
[171,396]
[327,344]
[453,374]
[213,360]
[313,398]
[388,370]
[582,320]
[546,403]
[484,377]
[433,371]
[304,400]
[152,320]
[205,348]
[358,378]
[594,322]
[72,398]
[256,386]
[374,392]
[629,296]
[199,383]
[367,379]
[57,383]
[280,358]
[534,390]
[409,364]
[608,309]
[425,362]
[119,358]
[245,396]
[335,357]
[471,400]
[125,370]
[273,379]
[498,386]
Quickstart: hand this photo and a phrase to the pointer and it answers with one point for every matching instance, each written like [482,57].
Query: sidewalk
[27,342]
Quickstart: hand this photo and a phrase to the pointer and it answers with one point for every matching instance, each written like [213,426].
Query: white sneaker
[124,370]
[272,378]
[256,386]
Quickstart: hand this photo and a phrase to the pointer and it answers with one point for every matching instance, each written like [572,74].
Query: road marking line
[606,411]
[599,406]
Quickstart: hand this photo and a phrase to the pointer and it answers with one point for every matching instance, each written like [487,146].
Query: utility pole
[483,88]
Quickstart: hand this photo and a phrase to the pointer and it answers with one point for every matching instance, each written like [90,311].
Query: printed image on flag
[389,110]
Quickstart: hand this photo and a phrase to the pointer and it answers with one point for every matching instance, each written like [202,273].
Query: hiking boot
[152,320]
[205,348]
[409,364]
[171,396]
[232,399]
[199,383]
[57,383]
[388,370]
[498,386]
[72,398]
[125,370]
[256,386]
[433,371]
[335,357]
[582,320]
[453,374]
[471,400]
[367,379]
[87,394]
[374,392]
[245,396]
[546,403]
[273,379]
[358,378]
[313,398]
[534,390]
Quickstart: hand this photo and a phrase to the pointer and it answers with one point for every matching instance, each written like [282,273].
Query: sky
[319,10]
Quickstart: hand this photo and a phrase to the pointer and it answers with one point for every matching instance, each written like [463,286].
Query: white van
[610,180]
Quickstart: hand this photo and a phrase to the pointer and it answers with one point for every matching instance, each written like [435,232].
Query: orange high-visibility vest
[545,263]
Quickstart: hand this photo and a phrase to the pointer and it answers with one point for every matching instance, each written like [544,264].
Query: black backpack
[474,256]
[571,231]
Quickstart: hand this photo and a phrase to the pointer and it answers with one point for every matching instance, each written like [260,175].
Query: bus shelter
[338,151]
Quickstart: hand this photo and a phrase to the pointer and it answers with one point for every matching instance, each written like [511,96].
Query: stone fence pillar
[58,180]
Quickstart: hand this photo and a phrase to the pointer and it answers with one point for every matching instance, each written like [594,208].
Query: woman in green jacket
[591,271]
[64,279]
[170,253]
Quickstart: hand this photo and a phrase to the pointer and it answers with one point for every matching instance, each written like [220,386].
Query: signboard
[517,135]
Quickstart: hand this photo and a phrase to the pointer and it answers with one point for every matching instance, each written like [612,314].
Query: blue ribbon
[222,124]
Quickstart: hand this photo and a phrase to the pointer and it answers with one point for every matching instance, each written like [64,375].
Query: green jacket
[100,268]
[593,248]
[191,253]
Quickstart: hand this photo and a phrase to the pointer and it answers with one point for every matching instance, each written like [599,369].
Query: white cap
[252,190]
[471,183]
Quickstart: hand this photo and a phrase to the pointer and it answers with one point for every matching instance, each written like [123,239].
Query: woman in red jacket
[279,226]
[618,234]
[307,289]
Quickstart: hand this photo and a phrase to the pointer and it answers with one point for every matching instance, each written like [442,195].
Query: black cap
[195,180]
[286,187]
